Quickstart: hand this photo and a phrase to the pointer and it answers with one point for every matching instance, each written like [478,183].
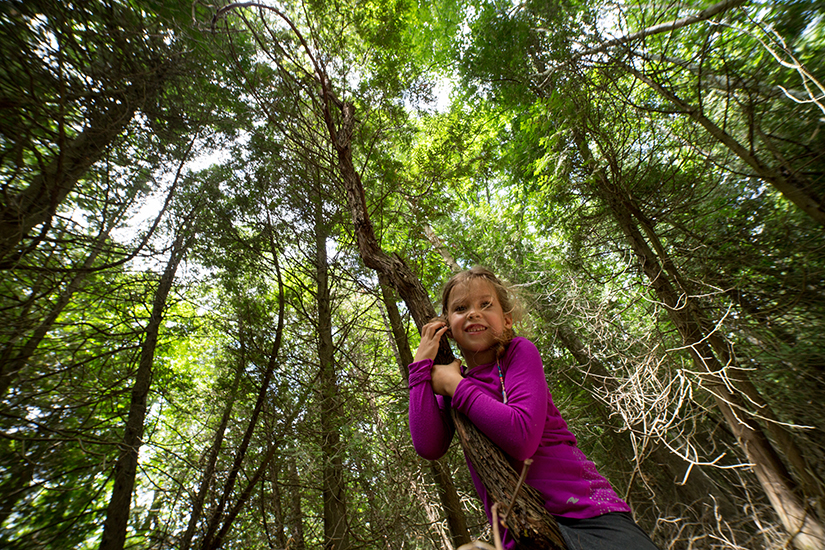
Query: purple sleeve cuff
[430,426]
[420,371]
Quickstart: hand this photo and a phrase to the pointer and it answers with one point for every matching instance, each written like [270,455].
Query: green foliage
[506,177]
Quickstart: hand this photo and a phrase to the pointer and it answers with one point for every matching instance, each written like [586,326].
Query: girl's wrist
[452,385]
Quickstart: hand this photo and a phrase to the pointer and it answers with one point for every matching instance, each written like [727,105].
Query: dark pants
[613,531]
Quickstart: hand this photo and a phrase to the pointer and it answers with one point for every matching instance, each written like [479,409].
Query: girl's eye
[459,308]
[485,305]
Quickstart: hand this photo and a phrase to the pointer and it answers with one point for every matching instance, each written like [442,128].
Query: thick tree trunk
[803,526]
[528,522]
[117,513]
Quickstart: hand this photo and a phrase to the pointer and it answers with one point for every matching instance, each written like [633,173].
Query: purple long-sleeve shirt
[528,426]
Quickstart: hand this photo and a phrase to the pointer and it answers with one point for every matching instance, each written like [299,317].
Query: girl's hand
[446,378]
[430,338]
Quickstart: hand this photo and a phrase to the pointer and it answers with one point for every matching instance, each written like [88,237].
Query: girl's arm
[518,425]
[430,427]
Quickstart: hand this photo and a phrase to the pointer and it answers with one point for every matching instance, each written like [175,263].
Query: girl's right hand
[430,338]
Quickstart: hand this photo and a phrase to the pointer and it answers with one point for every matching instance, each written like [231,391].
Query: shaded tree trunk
[528,523]
[336,529]
[117,513]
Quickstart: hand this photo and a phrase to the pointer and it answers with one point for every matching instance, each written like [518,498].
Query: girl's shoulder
[520,342]
[521,347]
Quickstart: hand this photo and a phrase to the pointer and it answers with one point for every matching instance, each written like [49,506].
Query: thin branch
[703,15]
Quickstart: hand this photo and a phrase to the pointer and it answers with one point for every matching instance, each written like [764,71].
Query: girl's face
[476,320]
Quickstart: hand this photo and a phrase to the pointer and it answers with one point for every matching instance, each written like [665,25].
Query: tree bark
[528,523]
[336,528]
[117,513]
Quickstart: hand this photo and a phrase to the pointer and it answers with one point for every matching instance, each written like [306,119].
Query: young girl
[503,391]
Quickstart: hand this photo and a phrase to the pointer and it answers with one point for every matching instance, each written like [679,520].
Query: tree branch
[703,15]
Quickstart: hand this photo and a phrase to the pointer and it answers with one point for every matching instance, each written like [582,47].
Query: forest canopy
[222,225]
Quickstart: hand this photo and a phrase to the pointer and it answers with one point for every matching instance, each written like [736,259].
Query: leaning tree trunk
[527,529]
[522,507]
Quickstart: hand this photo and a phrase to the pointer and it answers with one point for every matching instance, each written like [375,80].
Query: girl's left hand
[446,378]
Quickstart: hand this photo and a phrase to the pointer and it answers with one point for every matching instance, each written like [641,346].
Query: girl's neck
[473,360]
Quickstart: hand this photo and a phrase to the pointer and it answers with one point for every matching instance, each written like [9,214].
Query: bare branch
[703,15]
